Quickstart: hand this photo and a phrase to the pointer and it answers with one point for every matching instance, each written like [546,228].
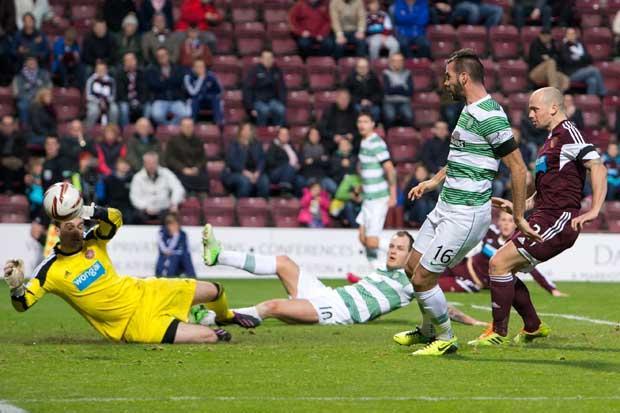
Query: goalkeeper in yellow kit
[121,308]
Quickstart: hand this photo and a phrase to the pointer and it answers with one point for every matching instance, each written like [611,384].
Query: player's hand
[558,293]
[14,273]
[578,223]
[527,231]
[502,204]
[87,211]
[417,191]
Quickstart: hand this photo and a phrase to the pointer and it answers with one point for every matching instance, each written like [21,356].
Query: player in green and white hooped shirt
[312,302]
[463,213]
[378,187]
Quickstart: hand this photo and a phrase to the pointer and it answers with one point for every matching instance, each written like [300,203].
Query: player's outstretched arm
[428,185]
[598,176]
[22,297]
[518,171]
[110,220]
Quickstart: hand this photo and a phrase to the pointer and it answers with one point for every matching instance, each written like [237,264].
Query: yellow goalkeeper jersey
[87,280]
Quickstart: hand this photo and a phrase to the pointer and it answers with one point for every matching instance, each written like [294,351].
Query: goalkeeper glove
[14,277]
[88,211]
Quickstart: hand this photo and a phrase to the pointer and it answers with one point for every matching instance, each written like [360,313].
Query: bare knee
[270,308]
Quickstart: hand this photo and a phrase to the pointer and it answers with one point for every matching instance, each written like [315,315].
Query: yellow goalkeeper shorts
[164,301]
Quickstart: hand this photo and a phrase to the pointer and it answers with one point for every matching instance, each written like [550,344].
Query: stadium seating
[219,211]
[252,212]
[504,42]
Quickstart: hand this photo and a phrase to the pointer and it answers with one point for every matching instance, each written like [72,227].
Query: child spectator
[314,212]
[347,202]
[612,162]
[34,185]
[342,162]
[174,254]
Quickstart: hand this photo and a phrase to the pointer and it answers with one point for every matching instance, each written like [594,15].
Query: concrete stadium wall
[329,253]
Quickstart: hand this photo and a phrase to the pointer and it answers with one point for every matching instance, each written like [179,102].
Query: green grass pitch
[52,361]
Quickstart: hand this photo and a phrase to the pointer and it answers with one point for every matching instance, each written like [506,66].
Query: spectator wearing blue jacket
[204,91]
[410,20]
[67,63]
[175,258]
[244,174]
[31,42]
[165,82]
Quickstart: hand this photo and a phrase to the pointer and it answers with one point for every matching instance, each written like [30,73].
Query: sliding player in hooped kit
[561,169]
[463,213]
[121,308]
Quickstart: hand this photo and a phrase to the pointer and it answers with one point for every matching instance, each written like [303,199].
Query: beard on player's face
[457,91]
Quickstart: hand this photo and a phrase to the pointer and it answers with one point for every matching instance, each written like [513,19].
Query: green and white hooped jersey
[373,152]
[472,164]
[379,293]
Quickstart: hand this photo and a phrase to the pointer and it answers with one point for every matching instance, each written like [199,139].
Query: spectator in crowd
[533,12]
[39,9]
[165,83]
[150,8]
[531,134]
[88,181]
[339,122]
[501,184]
[129,39]
[410,20]
[201,15]
[615,27]
[577,64]
[7,67]
[175,258]
[155,190]
[314,203]
[99,45]
[29,41]
[347,201]
[310,25]
[450,110]
[110,148]
[196,45]
[282,164]
[116,188]
[348,18]
[116,11]
[440,11]
[186,158]
[315,160]
[573,113]
[379,31]
[56,168]
[245,165]
[611,158]
[67,64]
[101,107]
[529,152]
[42,117]
[342,162]
[365,89]
[264,91]
[476,12]
[131,92]
[34,185]
[26,84]
[76,144]
[160,36]
[13,156]
[543,62]
[141,142]
[416,212]
[8,18]
[434,153]
[205,91]
[398,90]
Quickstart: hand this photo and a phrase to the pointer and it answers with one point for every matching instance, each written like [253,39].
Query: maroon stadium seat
[298,98]
[234,115]
[252,212]
[228,79]
[190,211]
[284,206]
[284,221]
[251,29]
[164,133]
[244,15]
[224,44]
[528,34]
[403,152]
[612,210]
[219,211]
[213,150]
[66,112]
[278,30]
[611,75]
[266,134]
[291,64]
[67,96]
[321,81]
[613,6]
[226,64]
[611,104]
[599,51]
[14,218]
[249,46]
[233,98]
[597,35]
[443,40]
[402,136]
[422,74]
[598,137]
[512,76]
[208,132]
[276,15]
[294,81]
[321,64]
[425,107]
[83,11]
[283,47]
[490,74]
[229,133]
[474,37]
[7,108]
[504,42]
[298,115]
[613,226]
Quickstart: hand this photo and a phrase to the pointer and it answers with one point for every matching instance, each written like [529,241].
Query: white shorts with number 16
[449,233]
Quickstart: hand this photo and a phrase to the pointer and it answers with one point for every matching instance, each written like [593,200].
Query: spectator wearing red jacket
[199,13]
[110,149]
[311,26]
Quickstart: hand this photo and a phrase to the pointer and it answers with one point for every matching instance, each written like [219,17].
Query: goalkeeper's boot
[240,319]
[525,337]
[411,337]
[222,335]
[210,246]
[438,348]
[489,338]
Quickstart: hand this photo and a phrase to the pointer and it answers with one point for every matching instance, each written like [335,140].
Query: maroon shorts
[457,279]
[555,228]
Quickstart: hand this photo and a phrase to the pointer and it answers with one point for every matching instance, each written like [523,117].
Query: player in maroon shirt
[472,274]
[561,169]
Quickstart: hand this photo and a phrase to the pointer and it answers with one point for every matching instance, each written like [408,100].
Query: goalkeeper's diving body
[312,302]
[121,308]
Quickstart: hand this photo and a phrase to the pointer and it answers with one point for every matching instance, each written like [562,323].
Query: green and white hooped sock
[253,263]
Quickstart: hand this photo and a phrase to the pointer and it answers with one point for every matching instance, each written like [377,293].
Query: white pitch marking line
[566,316]
[317,398]
[6,407]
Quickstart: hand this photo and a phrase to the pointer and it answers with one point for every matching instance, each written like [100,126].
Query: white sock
[427,327]
[251,311]
[384,244]
[433,303]
[256,264]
